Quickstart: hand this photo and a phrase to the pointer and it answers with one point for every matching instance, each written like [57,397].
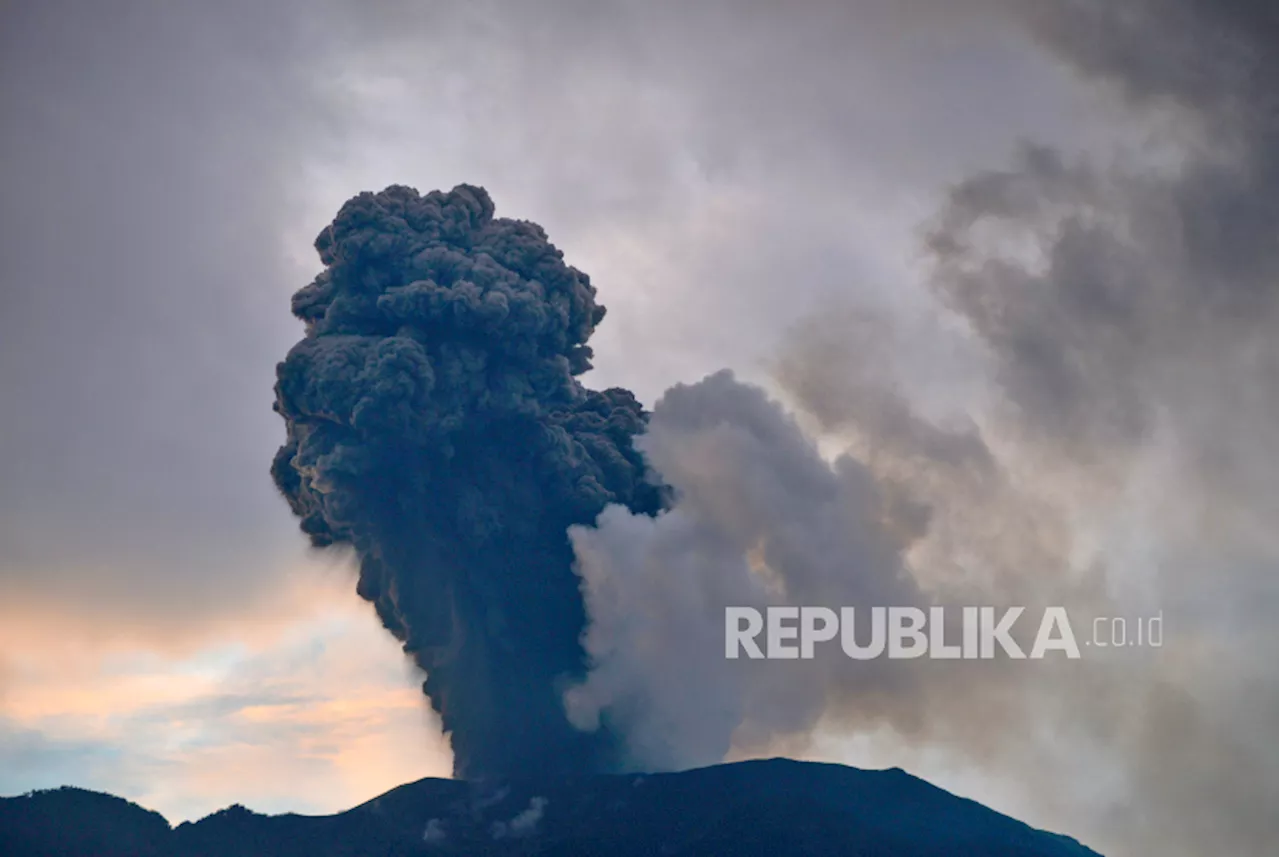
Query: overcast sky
[724,171]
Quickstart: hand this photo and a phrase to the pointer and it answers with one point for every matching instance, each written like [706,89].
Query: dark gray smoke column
[436,425]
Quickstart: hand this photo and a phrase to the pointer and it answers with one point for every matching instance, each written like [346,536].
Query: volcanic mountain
[770,807]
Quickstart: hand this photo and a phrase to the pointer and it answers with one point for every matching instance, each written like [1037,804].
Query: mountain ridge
[757,807]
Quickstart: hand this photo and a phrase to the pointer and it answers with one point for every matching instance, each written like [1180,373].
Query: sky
[796,191]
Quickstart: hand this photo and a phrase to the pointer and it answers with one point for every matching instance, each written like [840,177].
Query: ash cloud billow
[559,564]
[436,425]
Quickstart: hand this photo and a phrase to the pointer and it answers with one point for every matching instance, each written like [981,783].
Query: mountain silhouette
[745,809]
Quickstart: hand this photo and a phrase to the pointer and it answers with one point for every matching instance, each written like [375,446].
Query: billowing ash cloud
[1116,459]
[435,425]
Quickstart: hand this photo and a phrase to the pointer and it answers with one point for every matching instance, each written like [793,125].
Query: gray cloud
[1139,339]
[651,139]
[1149,290]
[150,159]
[1180,732]
[167,166]
[1123,456]
[145,155]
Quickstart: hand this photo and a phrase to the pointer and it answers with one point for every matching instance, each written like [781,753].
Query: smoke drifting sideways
[435,424]
[1118,460]
[761,514]
[758,518]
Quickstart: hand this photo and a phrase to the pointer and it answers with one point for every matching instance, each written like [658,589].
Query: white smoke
[760,518]
[523,823]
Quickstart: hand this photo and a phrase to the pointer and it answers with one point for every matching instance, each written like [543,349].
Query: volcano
[767,807]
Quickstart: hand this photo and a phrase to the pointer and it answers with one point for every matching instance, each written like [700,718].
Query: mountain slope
[745,809]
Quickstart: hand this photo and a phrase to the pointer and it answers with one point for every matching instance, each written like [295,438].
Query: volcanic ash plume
[435,425]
